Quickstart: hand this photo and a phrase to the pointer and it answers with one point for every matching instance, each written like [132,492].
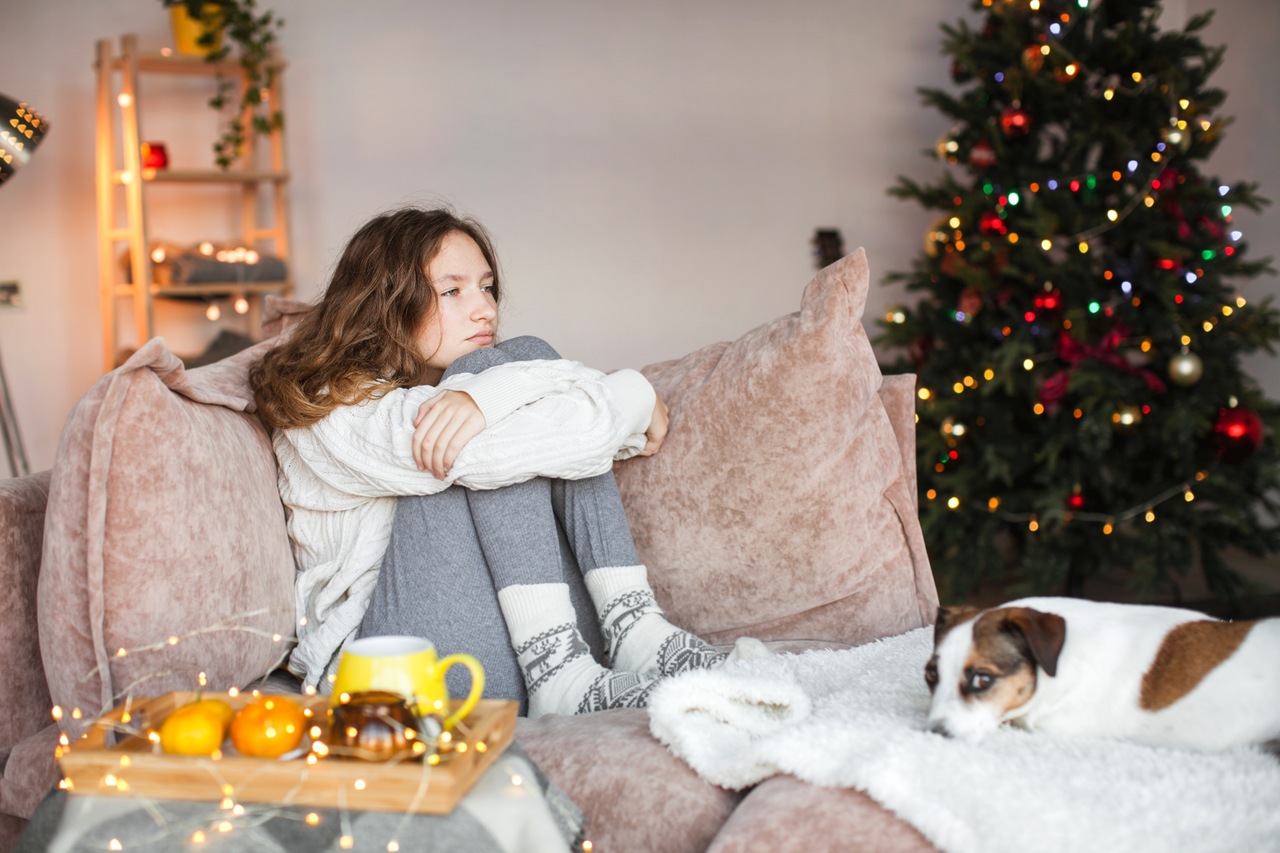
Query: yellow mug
[407,666]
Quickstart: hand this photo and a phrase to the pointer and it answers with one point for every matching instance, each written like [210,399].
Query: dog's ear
[949,617]
[1045,634]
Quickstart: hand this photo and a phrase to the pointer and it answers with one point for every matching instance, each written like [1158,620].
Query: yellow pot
[188,30]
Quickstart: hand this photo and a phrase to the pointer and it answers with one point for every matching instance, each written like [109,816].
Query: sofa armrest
[24,694]
[898,393]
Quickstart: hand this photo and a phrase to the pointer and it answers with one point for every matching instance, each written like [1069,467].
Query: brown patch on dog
[1045,633]
[1188,654]
[1005,656]
[950,617]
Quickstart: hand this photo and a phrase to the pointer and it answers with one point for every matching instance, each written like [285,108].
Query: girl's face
[466,313]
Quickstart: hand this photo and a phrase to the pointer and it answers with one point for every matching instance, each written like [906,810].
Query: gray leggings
[451,552]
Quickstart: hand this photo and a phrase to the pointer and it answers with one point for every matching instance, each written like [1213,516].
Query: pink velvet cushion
[780,505]
[164,521]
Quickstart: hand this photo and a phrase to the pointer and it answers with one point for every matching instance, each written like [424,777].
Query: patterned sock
[559,672]
[639,636]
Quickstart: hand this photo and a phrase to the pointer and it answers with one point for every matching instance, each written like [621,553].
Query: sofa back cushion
[780,505]
[166,561]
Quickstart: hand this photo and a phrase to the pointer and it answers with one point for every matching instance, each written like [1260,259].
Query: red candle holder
[154,156]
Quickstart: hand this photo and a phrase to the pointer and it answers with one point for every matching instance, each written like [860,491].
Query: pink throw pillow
[780,506]
[163,521]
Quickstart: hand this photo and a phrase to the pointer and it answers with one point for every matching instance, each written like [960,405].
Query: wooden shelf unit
[119,171]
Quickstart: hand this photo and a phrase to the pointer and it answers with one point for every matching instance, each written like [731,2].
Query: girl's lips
[482,337]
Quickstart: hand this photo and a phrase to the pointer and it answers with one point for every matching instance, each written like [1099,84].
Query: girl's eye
[453,291]
[489,288]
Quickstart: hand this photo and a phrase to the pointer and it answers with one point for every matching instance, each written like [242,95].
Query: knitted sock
[559,672]
[639,636]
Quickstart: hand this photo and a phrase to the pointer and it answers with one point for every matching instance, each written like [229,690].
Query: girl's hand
[657,431]
[443,426]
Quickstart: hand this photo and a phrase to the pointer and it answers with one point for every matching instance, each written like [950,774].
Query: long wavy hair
[360,339]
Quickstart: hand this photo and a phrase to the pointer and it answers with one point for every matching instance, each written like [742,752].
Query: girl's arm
[583,420]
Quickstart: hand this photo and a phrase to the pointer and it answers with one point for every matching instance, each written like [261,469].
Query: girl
[393,386]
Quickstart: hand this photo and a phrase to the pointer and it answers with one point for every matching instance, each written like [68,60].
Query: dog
[1162,676]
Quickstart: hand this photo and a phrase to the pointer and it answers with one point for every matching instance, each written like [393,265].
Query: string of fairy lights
[1132,186]
[130,720]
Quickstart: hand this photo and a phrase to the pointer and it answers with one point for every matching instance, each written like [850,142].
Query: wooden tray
[135,767]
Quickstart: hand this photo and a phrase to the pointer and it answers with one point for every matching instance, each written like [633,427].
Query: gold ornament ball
[1186,368]
[1125,419]
[948,148]
[1176,137]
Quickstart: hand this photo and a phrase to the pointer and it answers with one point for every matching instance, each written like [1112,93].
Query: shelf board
[208,176]
[177,63]
[219,288]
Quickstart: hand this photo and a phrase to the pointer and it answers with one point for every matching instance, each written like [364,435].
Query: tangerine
[193,729]
[218,706]
[268,727]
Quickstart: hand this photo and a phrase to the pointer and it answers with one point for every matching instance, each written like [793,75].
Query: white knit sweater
[339,478]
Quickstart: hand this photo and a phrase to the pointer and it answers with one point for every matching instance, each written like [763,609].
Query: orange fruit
[194,729]
[268,727]
[218,706]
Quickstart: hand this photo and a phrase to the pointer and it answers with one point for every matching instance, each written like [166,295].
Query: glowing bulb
[953,503]
[124,99]
[242,307]
[213,312]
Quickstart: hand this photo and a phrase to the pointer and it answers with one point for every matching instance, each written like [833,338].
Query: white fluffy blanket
[855,719]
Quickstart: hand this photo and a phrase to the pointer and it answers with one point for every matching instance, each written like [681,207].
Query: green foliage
[1064,276]
[253,36]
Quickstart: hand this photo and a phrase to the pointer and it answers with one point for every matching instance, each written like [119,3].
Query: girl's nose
[484,308]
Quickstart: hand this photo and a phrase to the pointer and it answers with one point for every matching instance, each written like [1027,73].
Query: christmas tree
[1080,327]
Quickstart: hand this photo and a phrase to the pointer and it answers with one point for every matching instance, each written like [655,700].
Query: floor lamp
[21,129]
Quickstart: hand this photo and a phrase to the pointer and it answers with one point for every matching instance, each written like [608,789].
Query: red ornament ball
[1050,300]
[982,155]
[1015,122]
[1237,434]
[991,223]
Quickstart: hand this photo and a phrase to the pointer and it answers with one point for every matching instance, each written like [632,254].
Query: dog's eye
[931,674]
[979,681]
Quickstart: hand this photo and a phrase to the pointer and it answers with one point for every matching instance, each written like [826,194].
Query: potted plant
[228,27]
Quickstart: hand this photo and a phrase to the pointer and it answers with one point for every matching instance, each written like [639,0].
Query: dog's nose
[939,728]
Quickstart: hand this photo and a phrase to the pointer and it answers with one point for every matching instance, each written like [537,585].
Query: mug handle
[477,685]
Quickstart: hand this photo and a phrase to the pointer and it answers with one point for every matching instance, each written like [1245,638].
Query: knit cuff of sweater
[634,397]
[498,392]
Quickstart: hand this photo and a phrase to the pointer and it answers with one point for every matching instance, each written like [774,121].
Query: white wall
[653,172]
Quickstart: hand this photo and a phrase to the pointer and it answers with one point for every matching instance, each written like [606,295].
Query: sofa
[154,554]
